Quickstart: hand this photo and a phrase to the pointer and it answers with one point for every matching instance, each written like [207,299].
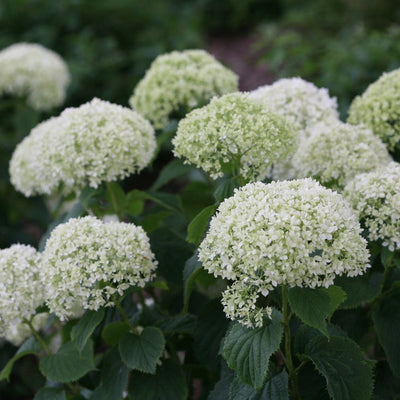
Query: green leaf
[174,169]
[386,257]
[68,364]
[222,387]
[169,383]
[312,306]
[182,323]
[340,361]
[247,351]
[225,188]
[359,289]
[387,325]
[28,347]
[50,393]
[113,332]
[85,327]
[114,377]
[275,388]
[141,352]
[190,272]
[197,228]
[115,196]
[337,296]
[387,386]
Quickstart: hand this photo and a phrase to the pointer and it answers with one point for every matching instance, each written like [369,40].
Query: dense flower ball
[379,108]
[294,233]
[86,262]
[95,142]
[21,290]
[33,71]
[234,134]
[336,152]
[376,198]
[178,82]
[301,102]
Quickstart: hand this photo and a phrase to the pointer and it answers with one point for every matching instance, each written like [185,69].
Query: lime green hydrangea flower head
[379,108]
[234,134]
[178,82]
[301,102]
[21,290]
[31,70]
[376,198]
[86,262]
[88,145]
[336,152]
[294,233]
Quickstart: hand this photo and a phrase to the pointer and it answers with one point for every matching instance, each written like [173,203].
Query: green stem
[38,337]
[113,200]
[381,294]
[125,317]
[288,350]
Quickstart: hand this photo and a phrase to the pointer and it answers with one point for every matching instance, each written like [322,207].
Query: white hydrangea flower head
[379,108]
[21,290]
[88,145]
[86,262]
[376,198]
[178,82]
[17,334]
[234,134]
[336,152]
[294,233]
[301,102]
[31,70]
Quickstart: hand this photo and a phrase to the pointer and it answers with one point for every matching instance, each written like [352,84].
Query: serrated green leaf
[222,387]
[359,289]
[50,393]
[337,296]
[114,377]
[198,226]
[113,332]
[115,196]
[141,352]
[169,383]
[312,306]
[190,272]
[247,351]
[85,327]
[340,361]
[68,364]
[174,169]
[387,325]
[30,346]
[225,189]
[242,391]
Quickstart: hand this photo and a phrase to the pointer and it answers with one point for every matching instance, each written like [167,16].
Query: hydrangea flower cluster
[336,152]
[33,71]
[376,198]
[95,142]
[21,290]
[379,108]
[234,134]
[294,233]
[17,334]
[301,102]
[87,262]
[178,82]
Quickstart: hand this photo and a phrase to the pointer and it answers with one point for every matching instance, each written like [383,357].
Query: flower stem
[38,337]
[288,350]
[125,317]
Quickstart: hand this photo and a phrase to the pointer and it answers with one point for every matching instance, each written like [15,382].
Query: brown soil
[239,54]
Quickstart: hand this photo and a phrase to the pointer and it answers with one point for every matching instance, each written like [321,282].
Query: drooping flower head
[294,233]
[376,198]
[86,262]
[234,134]
[33,71]
[301,102]
[21,290]
[178,82]
[336,152]
[379,108]
[95,142]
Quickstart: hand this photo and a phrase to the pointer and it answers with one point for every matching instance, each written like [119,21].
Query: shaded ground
[238,54]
